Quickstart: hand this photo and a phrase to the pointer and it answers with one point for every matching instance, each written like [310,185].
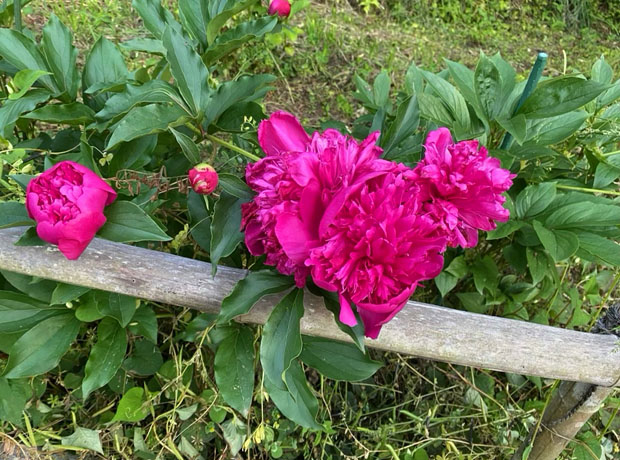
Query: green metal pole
[17,14]
[532,81]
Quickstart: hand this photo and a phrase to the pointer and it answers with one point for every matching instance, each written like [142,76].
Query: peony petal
[436,144]
[346,315]
[294,237]
[72,249]
[281,133]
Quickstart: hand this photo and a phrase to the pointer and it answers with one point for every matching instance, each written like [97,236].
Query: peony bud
[279,7]
[203,178]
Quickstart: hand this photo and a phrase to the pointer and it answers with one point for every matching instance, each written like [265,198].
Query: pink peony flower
[329,206]
[377,249]
[203,178]
[462,187]
[67,203]
[279,7]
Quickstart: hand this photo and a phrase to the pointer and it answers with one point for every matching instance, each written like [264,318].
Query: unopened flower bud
[279,7]
[203,178]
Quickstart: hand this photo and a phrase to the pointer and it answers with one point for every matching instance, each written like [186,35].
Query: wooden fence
[422,330]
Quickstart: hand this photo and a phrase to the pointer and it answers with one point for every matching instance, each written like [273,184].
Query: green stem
[588,190]
[607,154]
[17,15]
[232,147]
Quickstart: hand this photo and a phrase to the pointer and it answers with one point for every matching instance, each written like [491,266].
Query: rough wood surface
[572,404]
[422,330]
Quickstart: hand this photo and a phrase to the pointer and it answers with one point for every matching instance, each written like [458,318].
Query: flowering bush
[362,217]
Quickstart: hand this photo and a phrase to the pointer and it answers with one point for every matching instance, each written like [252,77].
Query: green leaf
[14,394]
[337,360]
[13,214]
[132,406]
[145,120]
[74,113]
[516,126]
[105,357]
[152,91]
[504,229]
[404,125]
[487,85]
[117,306]
[281,342]
[12,109]
[600,249]
[534,199]
[195,16]
[88,310]
[234,37]
[561,244]
[433,109]
[607,171]
[381,90]
[560,95]
[554,130]
[37,288]
[145,358]
[84,438]
[155,16]
[453,99]
[189,147]
[66,293]
[24,79]
[486,274]
[249,290]
[234,186]
[234,369]
[18,312]
[104,64]
[294,398]
[225,233]
[39,350]
[445,282]
[537,264]
[144,323]
[235,433]
[127,222]
[61,56]
[188,70]
[221,11]
[246,88]
[22,52]
[584,215]
[145,45]
[602,71]
[464,79]
[473,301]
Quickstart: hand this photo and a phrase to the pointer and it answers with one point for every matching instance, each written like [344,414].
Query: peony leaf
[127,222]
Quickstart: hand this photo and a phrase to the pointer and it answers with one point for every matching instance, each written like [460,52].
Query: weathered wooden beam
[573,403]
[422,330]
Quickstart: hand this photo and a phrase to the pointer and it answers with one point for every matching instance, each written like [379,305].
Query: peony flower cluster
[67,202]
[328,206]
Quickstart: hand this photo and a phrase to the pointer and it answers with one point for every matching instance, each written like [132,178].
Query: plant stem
[232,147]
[588,190]
[17,15]
[607,154]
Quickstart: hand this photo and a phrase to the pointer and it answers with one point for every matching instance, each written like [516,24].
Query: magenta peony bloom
[462,187]
[330,207]
[377,249]
[203,178]
[67,203]
[279,7]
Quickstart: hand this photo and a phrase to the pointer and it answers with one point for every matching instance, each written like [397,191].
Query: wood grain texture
[422,330]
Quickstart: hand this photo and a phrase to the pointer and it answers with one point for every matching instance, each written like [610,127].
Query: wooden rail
[422,330]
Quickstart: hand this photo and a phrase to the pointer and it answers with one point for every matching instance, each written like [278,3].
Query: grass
[452,412]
